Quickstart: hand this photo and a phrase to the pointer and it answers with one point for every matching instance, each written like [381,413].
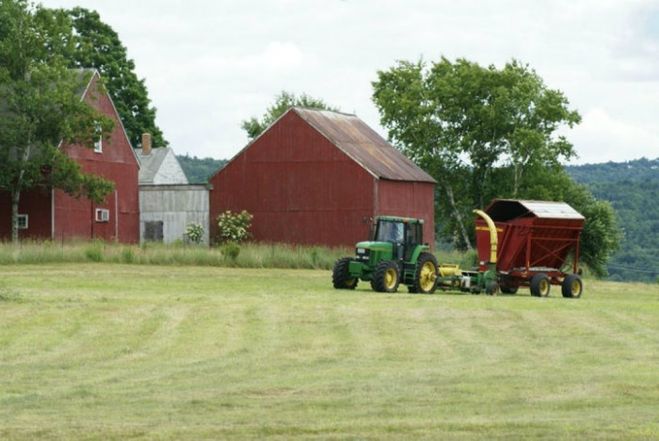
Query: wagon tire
[572,286]
[509,289]
[491,288]
[341,278]
[540,285]
[425,274]
[386,277]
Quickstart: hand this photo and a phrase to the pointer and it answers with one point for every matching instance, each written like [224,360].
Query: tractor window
[389,231]
[413,234]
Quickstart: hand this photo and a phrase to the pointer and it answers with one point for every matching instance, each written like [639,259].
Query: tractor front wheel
[572,286]
[540,285]
[386,277]
[341,278]
[425,275]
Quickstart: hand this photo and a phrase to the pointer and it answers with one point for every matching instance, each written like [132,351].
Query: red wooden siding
[409,199]
[34,203]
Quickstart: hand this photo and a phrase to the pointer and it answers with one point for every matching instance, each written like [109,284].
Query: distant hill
[633,189]
[198,170]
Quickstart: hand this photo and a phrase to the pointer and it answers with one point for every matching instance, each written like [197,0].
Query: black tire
[508,289]
[572,286]
[421,283]
[341,278]
[491,288]
[382,277]
[540,285]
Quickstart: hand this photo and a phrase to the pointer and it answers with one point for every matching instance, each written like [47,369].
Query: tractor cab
[395,254]
[403,234]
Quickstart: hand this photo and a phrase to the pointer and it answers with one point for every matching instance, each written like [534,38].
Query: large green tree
[40,107]
[484,132]
[94,44]
[284,101]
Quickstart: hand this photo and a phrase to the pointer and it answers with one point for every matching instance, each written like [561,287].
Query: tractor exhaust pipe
[493,235]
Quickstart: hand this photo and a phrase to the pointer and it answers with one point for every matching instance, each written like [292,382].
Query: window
[98,144]
[153,231]
[22,221]
[389,231]
[102,215]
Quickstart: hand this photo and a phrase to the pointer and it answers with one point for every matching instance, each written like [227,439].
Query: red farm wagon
[536,244]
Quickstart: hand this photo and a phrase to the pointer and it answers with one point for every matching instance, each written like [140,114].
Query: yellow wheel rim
[427,277]
[576,288]
[544,287]
[390,278]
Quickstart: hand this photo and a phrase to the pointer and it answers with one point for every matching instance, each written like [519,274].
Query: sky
[209,65]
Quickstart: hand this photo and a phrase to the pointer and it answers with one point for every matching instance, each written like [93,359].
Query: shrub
[194,233]
[234,227]
[127,255]
[230,250]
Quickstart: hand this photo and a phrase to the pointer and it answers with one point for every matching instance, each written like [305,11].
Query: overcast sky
[209,65]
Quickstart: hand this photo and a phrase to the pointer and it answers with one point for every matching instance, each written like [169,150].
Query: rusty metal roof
[361,143]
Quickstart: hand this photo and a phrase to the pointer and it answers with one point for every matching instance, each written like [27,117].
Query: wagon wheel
[540,285]
[572,286]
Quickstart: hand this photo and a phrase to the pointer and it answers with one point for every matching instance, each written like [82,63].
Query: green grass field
[108,351]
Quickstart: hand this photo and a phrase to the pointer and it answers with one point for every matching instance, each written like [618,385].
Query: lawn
[110,351]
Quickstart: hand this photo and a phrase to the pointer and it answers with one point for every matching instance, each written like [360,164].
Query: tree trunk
[15,198]
[458,216]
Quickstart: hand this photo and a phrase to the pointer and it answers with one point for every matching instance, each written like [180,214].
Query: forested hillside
[633,189]
[198,170]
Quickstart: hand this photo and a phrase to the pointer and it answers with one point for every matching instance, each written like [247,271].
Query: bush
[230,250]
[234,227]
[194,233]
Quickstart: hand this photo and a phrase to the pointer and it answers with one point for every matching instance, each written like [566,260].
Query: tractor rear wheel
[341,278]
[572,286]
[386,277]
[425,274]
[540,285]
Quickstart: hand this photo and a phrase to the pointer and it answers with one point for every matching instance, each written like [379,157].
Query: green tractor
[396,255]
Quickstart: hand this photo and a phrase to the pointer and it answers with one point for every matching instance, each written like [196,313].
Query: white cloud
[210,64]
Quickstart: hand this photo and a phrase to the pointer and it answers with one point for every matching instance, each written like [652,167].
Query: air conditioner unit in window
[102,215]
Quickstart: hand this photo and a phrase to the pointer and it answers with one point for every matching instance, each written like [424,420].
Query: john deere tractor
[396,254]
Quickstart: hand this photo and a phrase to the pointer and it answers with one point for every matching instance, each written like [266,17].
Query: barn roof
[363,144]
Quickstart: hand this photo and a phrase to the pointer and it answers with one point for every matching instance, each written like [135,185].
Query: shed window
[153,231]
[102,215]
[22,221]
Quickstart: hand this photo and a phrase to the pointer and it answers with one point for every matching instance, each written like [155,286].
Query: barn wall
[300,188]
[36,204]
[74,218]
[177,206]
[409,199]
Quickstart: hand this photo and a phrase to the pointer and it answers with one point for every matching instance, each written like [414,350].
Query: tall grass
[250,255]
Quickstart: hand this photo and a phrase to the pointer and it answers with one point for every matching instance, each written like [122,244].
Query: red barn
[319,177]
[52,214]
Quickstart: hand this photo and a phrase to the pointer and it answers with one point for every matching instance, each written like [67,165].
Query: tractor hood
[375,246]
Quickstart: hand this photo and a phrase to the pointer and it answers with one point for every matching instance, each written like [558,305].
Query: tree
[461,121]
[41,107]
[284,101]
[96,45]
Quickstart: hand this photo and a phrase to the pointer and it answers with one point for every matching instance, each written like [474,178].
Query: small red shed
[52,214]
[319,177]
